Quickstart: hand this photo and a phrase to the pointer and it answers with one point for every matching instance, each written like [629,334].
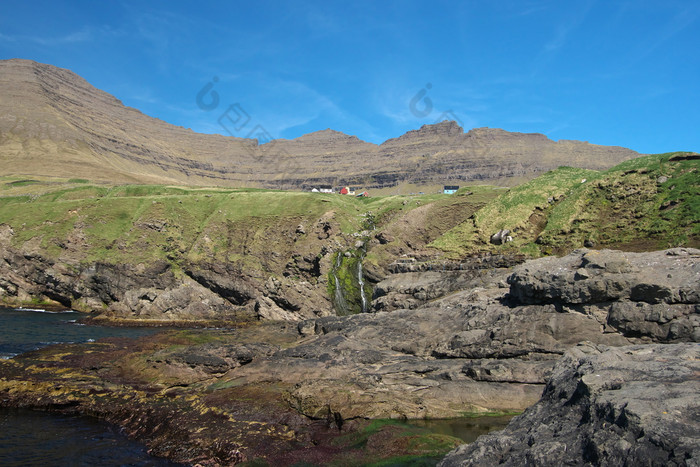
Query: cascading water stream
[361,282]
[341,304]
[347,275]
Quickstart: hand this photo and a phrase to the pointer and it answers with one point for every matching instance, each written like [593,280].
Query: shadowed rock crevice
[224,280]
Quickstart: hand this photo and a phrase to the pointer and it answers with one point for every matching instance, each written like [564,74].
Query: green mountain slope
[647,203]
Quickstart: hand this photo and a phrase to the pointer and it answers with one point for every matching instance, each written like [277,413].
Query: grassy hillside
[650,202]
[308,241]
[148,222]
[647,203]
[411,233]
[261,233]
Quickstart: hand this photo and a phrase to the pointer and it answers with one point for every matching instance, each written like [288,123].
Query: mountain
[54,123]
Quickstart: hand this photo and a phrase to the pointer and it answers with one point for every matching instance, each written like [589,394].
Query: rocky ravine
[488,348]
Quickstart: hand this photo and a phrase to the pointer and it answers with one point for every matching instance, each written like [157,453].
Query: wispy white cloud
[164,35]
[85,34]
[432,105]
[529,8]
[280,104]
[676,18]
[206,125]
[6,38]
[139,93]
[293,104]
[392,94]
[521,8]
[553,130]
[396,109]
[559,39]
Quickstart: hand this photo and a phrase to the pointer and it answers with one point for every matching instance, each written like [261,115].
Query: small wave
[90,340]
[8,356]
[41,310]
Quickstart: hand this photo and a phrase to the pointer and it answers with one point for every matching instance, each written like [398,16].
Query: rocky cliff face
[160,291]
[54,123]
[492,346]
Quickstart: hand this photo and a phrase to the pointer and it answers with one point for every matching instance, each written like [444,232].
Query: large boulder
[501,237]
[635,405]
[597,276]
[652,296]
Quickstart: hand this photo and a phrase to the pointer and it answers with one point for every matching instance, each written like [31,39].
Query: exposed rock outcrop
[488,347]
[139,292]
[633,405]
[413,284]
[413,289]
[501,237]
[163,290]
[652,296]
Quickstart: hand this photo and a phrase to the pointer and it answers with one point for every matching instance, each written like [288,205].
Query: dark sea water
[31,438]
[22,330]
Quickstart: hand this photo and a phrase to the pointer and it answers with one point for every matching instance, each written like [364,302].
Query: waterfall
[361,282]
[346,281]
[341,304]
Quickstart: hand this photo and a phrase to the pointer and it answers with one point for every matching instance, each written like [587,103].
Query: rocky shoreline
[282,392]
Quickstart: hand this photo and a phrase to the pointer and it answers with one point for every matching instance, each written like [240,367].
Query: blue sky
[608,72]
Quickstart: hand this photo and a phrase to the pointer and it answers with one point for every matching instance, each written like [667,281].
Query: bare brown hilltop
[54,123]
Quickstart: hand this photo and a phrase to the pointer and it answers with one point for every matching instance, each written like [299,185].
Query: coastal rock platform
[284,391]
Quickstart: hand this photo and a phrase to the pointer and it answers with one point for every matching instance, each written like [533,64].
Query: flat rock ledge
[632,405]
